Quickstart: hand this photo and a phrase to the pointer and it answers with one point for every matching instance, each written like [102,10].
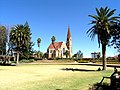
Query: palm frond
[92,32]
[111,13]
[90,29]
[94,16]
[106,8]
[107,11]
[116,18]
[102,12]
[99,14]
[92,36]
[93,22]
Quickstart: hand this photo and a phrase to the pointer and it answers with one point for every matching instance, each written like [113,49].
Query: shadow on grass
[103,86]
[72,69]
[7,64]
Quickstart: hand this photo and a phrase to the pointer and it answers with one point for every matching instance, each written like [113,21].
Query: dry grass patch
[49,77]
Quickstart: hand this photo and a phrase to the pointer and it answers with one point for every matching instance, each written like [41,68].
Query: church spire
[69,42]
[68,34]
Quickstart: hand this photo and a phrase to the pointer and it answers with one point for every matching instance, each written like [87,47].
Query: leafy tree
[38,54]
[3,39]
[45,55]
[10,49]
[116,35]
[79,55]
[98,55]
[31,51]
[27,49]
[67,53]
[101,27]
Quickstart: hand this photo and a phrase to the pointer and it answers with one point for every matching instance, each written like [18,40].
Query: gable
[57,45]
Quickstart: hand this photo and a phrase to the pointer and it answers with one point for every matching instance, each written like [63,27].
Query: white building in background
[59,48]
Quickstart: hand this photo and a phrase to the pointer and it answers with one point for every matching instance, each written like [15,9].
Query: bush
[97,86]
[83,61]
[37,59]
[26,60]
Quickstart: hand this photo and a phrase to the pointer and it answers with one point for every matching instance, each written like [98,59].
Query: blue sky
[52,17]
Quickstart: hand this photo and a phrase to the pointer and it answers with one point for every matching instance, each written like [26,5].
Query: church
[59,49]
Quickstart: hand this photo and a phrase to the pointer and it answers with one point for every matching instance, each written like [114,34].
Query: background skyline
[48,18]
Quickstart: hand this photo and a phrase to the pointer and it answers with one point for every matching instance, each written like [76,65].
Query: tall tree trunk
[39,52]
[54,53]
[17,57]
[104,56]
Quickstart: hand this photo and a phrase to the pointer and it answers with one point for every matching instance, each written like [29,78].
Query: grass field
[50,77]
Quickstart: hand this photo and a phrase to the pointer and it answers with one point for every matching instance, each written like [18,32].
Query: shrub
[26,60]
[98,86]
[83,61]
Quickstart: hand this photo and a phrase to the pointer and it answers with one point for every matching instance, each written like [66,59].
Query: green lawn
[49,77]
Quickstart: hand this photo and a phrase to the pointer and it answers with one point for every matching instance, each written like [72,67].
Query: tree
[26,49]
[20,38]
[40,54]
[31,51]
[53,43]
[116,35]
[3,39]
[16,35]
[98,55]
[101,27]
[79,54]
[53,39]
[38,42]
[67,53]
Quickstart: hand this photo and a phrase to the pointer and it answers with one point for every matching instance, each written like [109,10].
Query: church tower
[69,42]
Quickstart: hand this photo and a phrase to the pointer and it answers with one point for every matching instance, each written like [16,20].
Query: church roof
[57,45]
[68,34]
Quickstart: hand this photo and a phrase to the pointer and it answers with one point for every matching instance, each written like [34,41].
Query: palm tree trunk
[104,56]
[39,53]
[17,57]
[54,53]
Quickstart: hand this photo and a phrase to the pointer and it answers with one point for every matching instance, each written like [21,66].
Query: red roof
[57,45]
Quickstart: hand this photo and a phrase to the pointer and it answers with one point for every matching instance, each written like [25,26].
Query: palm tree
[20,37]
[38,42]
[16,37]
[101,27]
[53,39]
[53,43]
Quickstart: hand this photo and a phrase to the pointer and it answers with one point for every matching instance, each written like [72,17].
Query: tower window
[50,51]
